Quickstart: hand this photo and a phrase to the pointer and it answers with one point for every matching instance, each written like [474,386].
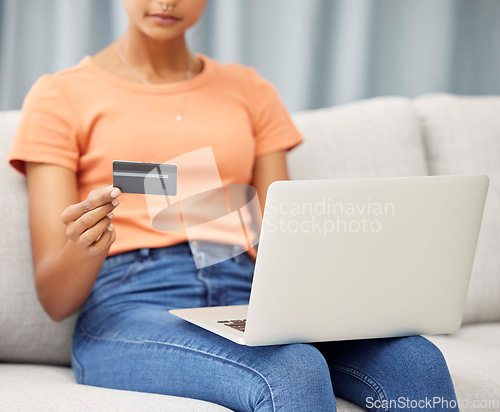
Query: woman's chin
[163,33]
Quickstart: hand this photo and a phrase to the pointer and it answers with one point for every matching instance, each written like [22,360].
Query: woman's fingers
[88,223]
[92,234]
[88,220]
[102,243]
[96,198]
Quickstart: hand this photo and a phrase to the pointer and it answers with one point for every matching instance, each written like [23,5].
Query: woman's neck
[156,59]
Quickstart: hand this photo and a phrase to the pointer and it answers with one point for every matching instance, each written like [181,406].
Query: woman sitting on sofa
[147,97]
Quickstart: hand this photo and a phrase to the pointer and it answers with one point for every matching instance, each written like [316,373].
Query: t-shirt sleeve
[47,131]
[273,127]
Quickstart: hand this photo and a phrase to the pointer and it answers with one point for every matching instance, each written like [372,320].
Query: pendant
[178,117]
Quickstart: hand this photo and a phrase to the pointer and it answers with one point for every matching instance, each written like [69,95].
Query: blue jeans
[125,338]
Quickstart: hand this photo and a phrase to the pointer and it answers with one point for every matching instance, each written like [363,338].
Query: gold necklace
[189,74]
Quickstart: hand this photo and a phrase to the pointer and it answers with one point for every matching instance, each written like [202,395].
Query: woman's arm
[69,240]
[268,168]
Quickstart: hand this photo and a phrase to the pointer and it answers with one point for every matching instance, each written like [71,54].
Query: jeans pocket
[111,278]
[112,262]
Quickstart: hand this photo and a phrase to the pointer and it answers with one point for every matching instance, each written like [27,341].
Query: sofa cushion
[462,136]
[372,138]
[27,333]
[53,388]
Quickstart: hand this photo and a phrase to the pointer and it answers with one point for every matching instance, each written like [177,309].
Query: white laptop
[357,258]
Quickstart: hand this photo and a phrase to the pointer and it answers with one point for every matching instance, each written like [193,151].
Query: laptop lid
[364,258]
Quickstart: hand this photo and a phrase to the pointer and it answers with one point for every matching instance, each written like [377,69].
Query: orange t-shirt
[84,117]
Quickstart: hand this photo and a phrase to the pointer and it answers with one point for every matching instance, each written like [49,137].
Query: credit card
[145,178]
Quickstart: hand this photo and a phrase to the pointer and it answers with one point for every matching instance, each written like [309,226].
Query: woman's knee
[420,372]
[423,358]
[296,377]
[301,362]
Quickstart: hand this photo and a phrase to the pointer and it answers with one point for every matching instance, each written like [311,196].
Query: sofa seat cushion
[47,388]
[50,388]
[473,355]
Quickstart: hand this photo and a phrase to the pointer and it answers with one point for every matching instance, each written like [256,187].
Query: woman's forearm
[65,281]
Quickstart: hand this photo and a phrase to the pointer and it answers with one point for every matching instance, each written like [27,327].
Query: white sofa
[390,136]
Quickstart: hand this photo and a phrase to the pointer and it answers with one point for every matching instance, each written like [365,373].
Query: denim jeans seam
[78,365]
[204,280]
[363,377]
[95,337]
[220,358]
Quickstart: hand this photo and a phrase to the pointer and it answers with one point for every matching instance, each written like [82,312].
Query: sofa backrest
[462,136]
[434,134]
[372,138]
[27,334]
